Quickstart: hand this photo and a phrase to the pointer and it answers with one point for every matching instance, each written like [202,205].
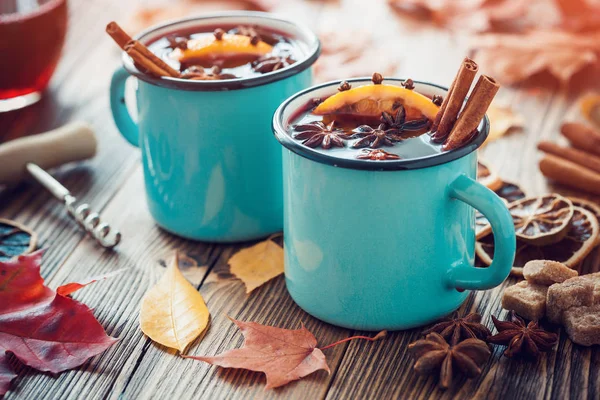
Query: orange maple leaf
[284,355]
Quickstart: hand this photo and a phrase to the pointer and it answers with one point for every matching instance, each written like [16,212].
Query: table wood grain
[136,368]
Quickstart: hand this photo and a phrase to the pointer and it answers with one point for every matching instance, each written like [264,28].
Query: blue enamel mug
[212,170]
[390,244]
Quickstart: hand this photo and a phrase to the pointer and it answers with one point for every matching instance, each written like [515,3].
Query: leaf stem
[380,335]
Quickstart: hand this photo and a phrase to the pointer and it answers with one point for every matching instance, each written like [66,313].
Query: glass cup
[32,34]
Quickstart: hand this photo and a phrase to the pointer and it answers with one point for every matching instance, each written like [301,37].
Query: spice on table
[570,174]
[582,136]
[577,156]
[455,329]
[435,354]
[522,339]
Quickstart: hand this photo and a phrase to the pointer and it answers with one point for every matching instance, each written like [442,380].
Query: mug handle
[489,204]
[123,120]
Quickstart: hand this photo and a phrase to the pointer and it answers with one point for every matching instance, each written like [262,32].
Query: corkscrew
[72,142]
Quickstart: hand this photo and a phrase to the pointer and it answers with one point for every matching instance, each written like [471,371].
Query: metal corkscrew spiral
[90,221]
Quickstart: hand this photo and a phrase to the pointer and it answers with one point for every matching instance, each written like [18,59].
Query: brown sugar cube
[547,272]
[583,324]
[526,299]
[574,292]
[595,279]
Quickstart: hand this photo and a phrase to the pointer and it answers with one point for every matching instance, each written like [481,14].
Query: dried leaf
[15,239]
[46,331]
[257,264]
[283,355]
[69,288]
[471,15]
[579,15]
[512,58]
[173,312]
[502,120]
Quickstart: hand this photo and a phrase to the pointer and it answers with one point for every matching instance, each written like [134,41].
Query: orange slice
[571,250]
[230,47]
[372,100]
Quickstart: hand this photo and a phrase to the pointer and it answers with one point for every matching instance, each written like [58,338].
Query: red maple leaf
[284,355]
[43,329]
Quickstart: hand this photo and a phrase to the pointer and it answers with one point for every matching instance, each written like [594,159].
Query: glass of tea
[32,34]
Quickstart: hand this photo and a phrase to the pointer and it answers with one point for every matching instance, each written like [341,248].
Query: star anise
[377,154]
[399,123]
[315,134]
[521,339]
[255,31]
[270,63]
[374,137]
[456,329]
[433,353]
[196,73]
[177,42]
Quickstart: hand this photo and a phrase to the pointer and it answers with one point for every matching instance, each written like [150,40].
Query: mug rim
[297,147]
[227,84]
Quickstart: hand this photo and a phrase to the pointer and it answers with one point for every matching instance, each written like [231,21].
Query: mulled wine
[375,122]
[226,52]
[32,35]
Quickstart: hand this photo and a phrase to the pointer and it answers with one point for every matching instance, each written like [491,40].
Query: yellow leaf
[173,312]
[502,120]
[257,264]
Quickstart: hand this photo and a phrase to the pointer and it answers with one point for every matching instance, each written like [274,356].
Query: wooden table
[112,183]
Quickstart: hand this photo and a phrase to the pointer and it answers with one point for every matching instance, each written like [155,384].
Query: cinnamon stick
[577,156]
[119,35]
[448,113]
[570,174]
[582,136]
[140,48]
[478,103]
[145,63]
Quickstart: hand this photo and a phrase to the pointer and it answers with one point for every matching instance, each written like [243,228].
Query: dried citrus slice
[590,206]
[233,49]
[487,176]
[372,100]
[581,238]
[508,192]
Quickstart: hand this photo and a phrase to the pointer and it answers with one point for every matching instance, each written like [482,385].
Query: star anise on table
[433,353]
[522,339]
[270,63]
[377,154]
[315,134]
[399,123]
[455,329]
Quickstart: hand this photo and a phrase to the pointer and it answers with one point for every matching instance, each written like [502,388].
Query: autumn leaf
[284,355]
[44,330]
[173,312]
[512,58]
[69,288]
[257,264]
[503,119]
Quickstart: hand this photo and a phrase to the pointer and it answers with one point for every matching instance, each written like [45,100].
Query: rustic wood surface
[112,182]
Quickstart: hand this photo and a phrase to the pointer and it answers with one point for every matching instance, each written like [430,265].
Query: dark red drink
[32,34]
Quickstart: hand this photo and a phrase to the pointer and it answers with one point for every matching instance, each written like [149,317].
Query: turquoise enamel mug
[389,244]
[212,171]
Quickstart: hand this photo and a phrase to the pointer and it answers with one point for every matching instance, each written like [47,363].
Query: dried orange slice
[590,206]
[234,49]
[508,192]
[581,238]
[487,176]
[372,100]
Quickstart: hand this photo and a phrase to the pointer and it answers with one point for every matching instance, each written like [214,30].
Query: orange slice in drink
[230,51]
[372,100]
